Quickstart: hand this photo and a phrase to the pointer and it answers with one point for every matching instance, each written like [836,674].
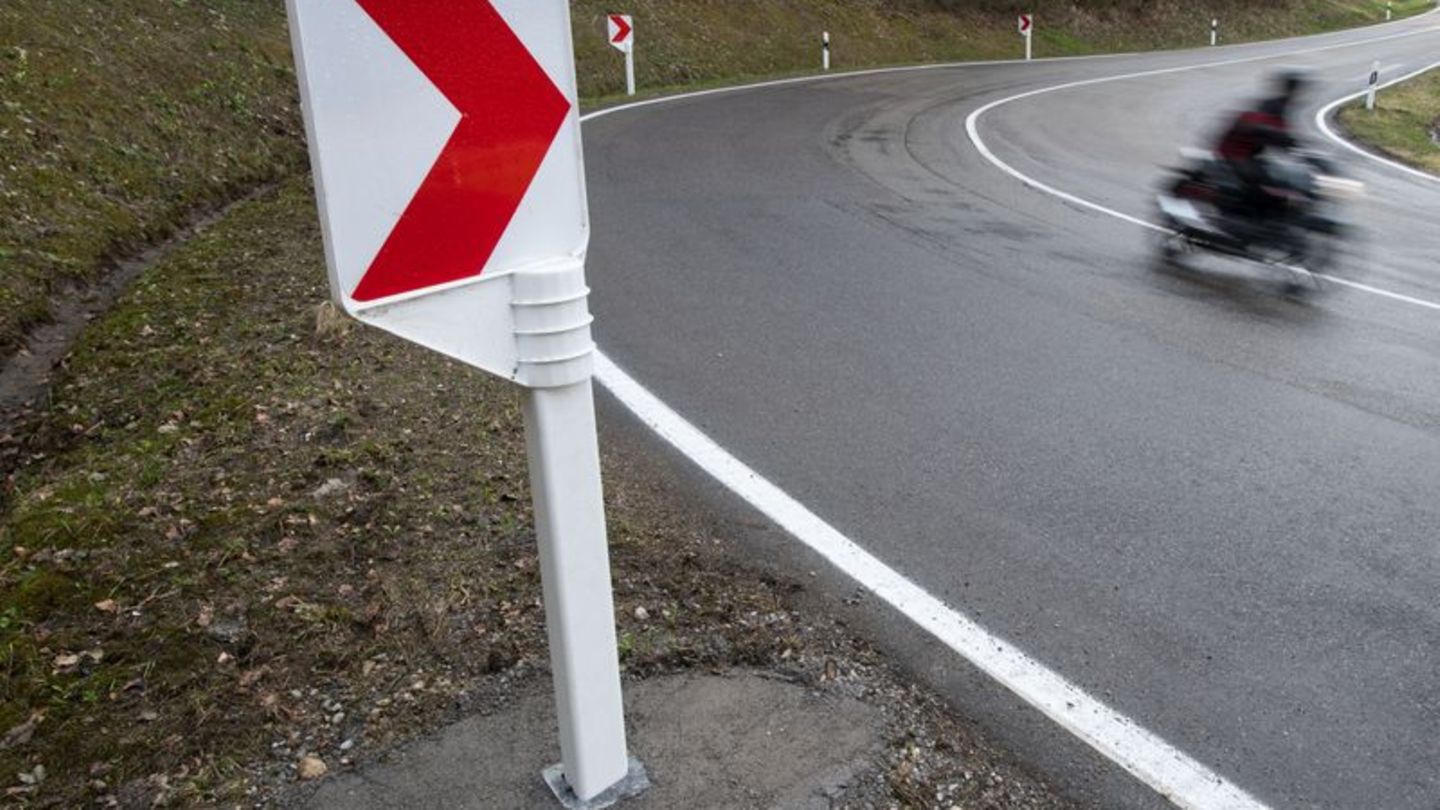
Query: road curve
[1216,508]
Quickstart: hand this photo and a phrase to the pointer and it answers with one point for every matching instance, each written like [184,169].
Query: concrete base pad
[636,781]
[707,741]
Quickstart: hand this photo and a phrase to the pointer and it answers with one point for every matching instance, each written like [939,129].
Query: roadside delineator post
[452,201]
[1214,31]
[825,50]
[1026,24]
[621,34]
[1374,85]
[1388,12]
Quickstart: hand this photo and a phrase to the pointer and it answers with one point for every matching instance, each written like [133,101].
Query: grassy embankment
[119,121]
[1405,122]
[232,538]
[685,42]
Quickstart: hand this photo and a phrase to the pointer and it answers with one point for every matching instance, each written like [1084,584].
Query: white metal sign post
[1026,24]
[825,50]
[621,33]
[445,143]
[1374,85]
[1214,31]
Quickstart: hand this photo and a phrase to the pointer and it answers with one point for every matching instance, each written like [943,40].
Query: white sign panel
[621,30]
[437,172]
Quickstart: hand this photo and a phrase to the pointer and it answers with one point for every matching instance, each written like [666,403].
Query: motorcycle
[1298,231]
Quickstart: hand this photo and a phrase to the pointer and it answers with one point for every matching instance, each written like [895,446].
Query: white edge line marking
[1322,120]
[1155,762]
[1166,769]
[972,129]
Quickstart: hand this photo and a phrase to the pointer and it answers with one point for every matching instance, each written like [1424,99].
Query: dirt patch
[743,739]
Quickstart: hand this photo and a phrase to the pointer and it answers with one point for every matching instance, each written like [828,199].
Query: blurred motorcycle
[1297,227]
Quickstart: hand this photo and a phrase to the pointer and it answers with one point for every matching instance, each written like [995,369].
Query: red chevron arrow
[622,29]
[510,113]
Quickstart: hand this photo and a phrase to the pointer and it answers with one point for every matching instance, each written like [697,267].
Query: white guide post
[825,50]
[1214,32]
[1374,85]
[1026,24]
[630,72]
[483,260]
[1388,12]
[552,330]
[621,35]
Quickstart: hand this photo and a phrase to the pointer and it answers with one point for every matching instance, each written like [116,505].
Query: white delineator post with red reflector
[445,144]
[1026,24]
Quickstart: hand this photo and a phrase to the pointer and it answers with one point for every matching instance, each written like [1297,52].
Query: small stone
[641,613]
[33,777]
[347,745]
[331,487]
[228,630]
[311,768]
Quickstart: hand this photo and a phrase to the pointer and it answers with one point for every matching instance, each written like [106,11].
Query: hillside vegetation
[120,120]
[682,42]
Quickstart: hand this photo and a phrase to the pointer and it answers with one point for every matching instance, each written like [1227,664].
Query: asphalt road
[1215,507]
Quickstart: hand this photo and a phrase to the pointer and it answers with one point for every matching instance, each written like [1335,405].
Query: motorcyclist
[1244,144]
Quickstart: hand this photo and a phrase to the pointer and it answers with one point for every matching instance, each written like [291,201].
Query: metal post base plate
[636,781]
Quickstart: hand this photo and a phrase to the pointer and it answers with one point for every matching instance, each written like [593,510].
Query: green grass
[682,42]
[1405,122]
[119,120]
[175,475]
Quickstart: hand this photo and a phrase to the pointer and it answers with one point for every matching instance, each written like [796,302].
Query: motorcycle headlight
[1339,188]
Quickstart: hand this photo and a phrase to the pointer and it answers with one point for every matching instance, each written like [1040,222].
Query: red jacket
[1256,130]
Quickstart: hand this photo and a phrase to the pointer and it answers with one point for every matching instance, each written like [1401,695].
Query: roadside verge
[1402,132]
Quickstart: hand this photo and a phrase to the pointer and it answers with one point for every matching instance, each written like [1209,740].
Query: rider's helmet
[1291,82]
